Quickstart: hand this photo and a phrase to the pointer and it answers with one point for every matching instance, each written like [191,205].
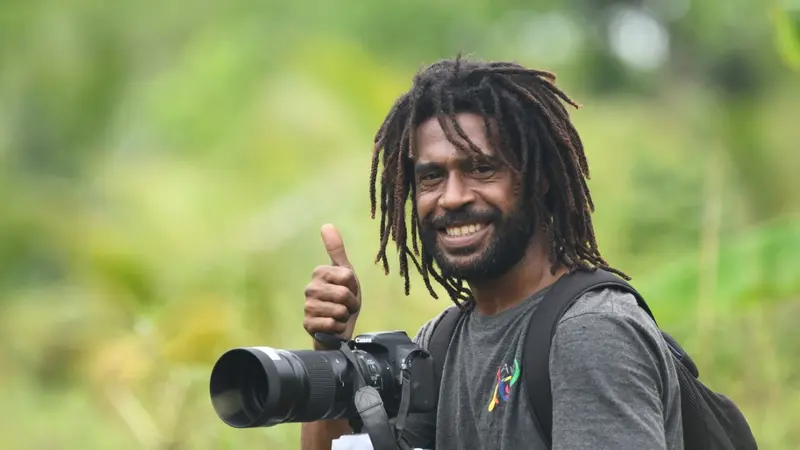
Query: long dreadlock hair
[533,136]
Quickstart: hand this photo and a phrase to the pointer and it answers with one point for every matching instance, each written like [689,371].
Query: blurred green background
[165,168]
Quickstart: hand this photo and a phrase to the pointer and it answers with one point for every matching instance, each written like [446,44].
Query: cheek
[426,203]
[503,195]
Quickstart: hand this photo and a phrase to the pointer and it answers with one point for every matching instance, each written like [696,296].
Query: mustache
[460,217]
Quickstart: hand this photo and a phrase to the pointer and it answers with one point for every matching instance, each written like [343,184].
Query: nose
[456,194]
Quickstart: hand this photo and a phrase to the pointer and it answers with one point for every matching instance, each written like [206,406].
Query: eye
[429,178]
[482,170]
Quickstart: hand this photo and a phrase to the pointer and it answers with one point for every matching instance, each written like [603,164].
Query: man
[496,177]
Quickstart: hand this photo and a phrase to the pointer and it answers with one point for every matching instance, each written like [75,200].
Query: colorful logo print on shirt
[507,377]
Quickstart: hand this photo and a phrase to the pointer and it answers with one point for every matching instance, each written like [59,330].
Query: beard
[510,235]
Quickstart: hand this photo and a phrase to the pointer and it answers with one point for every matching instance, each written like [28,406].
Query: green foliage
[787,34]
[165,168]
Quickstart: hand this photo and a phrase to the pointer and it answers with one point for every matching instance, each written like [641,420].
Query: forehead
[432,143]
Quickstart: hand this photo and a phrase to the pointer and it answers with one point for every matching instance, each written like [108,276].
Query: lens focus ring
[322,388]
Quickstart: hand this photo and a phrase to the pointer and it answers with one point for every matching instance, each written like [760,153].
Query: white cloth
[354,442]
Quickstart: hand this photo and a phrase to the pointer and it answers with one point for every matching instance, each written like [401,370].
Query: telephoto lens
[262,386]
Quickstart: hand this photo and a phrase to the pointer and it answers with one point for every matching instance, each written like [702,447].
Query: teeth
[464,230]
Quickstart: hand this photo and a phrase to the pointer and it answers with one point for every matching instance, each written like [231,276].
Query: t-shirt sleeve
[607,386]
[420,428]
[425,332]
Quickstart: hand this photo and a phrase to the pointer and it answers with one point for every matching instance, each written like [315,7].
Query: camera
[264,386]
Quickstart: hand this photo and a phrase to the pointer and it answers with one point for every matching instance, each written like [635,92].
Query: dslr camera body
[373,377]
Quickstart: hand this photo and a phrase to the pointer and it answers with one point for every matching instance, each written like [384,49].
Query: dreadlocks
[533,136]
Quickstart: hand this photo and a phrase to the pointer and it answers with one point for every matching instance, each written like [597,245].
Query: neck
[531,274]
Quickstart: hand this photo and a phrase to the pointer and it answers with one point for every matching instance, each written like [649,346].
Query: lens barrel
[262,386]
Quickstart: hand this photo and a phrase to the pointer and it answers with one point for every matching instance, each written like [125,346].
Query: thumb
[334,246]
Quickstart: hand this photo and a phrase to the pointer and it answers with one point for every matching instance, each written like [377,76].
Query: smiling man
[475,228]
[495,175]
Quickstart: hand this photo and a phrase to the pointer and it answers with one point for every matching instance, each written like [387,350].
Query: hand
[333,297]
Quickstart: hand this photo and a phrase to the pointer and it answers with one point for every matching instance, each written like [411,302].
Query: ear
[516,186]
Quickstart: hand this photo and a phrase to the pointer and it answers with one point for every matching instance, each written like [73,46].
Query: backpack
[711,421]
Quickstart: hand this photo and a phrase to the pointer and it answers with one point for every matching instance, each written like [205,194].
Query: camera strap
[405,394]
[370,408]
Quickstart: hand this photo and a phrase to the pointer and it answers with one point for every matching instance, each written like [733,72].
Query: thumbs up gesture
[333,297]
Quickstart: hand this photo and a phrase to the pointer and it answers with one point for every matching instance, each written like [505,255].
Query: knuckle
[348,274]
[346,296]
[336,326]
[312,290]
[320,271]
[341,312]
[335,290]
[341,294]
[329,324]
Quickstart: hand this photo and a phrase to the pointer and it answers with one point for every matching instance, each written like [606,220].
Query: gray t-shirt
[613,380]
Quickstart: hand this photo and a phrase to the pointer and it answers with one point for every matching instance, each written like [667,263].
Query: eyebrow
[426,167]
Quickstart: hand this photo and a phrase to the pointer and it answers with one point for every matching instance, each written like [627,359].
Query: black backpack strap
[440,340]
[536,352]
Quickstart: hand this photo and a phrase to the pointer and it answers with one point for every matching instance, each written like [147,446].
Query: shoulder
[425,332]
[608,325]
[613,380]
[607,306]
[610,301]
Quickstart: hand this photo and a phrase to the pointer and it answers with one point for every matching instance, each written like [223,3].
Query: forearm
[319,435]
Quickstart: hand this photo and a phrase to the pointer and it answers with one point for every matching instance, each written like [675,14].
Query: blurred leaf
[755,267]
[197,330]
[121,361]
[787,34]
